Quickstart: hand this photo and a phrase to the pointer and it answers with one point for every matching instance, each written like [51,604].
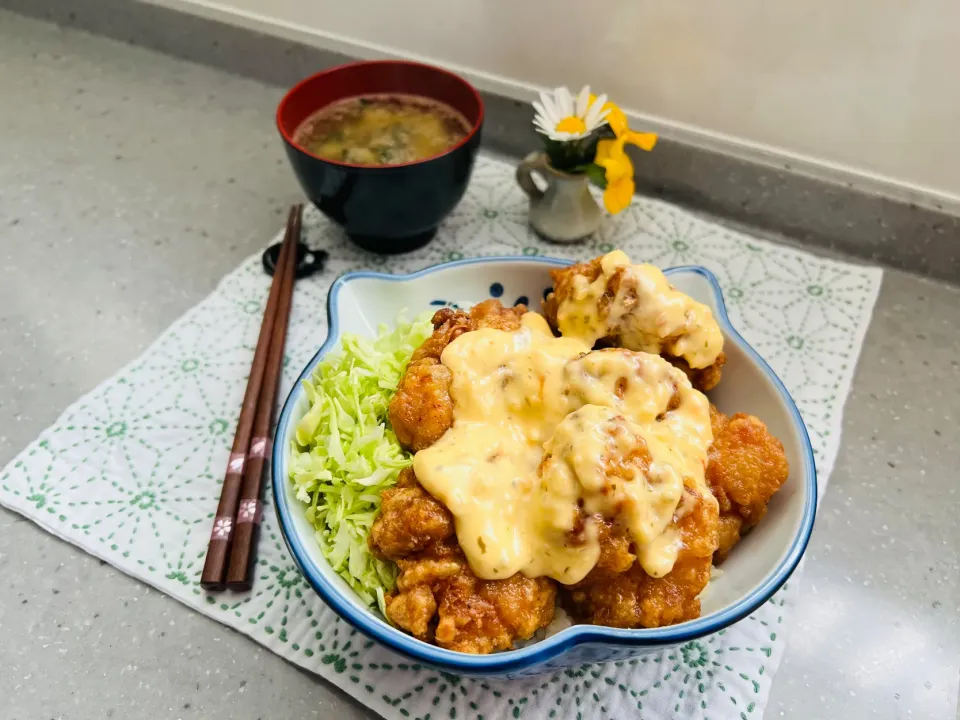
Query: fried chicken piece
[440,562]
[730,525]
[563,282]
[697,519]
[746,466]
[616,556]
[482,616]
[413,611]
[421,411]
[704,379]
[410,519]
[437,595]
[449,324]
[492,314]
[718,421]
[619,593]
[439,598]
[634,599]
[412,606]
[630,312]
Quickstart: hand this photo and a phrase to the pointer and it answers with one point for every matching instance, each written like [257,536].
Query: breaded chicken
[410,519]
[704,379]
[619,593]
[627,332]
[421,410]
[563,282]
[438,598]
[616,556]
[697,519]
[746,466]
[483,616]
[633,599]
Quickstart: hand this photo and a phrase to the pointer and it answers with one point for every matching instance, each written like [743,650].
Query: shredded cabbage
[345,454]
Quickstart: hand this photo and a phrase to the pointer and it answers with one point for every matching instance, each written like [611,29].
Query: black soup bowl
[383,208]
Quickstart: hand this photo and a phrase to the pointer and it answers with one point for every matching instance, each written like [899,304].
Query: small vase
[566,211]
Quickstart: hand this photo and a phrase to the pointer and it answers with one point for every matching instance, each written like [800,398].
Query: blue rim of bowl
[556,645]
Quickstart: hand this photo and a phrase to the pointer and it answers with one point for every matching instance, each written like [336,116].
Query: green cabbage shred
[345,454]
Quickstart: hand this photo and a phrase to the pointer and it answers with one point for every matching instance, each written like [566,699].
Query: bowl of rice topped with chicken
[550,464]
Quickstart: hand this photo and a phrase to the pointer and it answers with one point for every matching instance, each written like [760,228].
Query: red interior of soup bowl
[374,77]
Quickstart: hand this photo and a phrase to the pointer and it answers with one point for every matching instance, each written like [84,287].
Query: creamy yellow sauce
[547,437]
[647,313]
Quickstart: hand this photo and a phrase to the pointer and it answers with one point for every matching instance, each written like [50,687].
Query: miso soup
[382,129]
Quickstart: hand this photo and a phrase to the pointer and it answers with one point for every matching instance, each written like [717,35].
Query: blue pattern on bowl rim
[578,643]
[496,291]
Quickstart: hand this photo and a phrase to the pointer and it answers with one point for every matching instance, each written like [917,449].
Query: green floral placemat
[131,472]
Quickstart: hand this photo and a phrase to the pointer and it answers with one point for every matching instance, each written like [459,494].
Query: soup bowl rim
[288,137]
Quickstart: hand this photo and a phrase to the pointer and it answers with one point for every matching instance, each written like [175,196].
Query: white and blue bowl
[760,564]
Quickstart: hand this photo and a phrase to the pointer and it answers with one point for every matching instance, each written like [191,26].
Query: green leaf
[597,175]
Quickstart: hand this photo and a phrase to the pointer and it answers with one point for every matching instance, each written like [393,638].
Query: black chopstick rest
[309,262]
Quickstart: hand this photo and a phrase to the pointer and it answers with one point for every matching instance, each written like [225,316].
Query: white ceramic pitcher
[566,211]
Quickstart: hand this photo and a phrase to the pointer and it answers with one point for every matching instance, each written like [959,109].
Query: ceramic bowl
[383,208]
[759,565]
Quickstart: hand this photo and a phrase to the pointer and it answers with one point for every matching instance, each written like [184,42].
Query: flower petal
[564,102]
[600,120]
[540,112]
[597,105]
[617,119]
[643,140]
[545,129]
[596,113]
[604,150]
[549,109]
[614,161]
[583,101]
[618,195]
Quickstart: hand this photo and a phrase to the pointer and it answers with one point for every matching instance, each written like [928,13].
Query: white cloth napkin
[131,472]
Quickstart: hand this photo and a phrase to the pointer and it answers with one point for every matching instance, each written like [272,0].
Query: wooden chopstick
[224,522]
[243,549]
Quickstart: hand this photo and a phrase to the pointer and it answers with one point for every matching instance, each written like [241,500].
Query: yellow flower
[612,158]
[616,164]
[618,195]
[643,140]
[616,119]
[618,170]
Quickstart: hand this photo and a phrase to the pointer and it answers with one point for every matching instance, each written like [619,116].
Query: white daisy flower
[562,117]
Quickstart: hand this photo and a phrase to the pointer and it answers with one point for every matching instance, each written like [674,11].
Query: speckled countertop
[131,182]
